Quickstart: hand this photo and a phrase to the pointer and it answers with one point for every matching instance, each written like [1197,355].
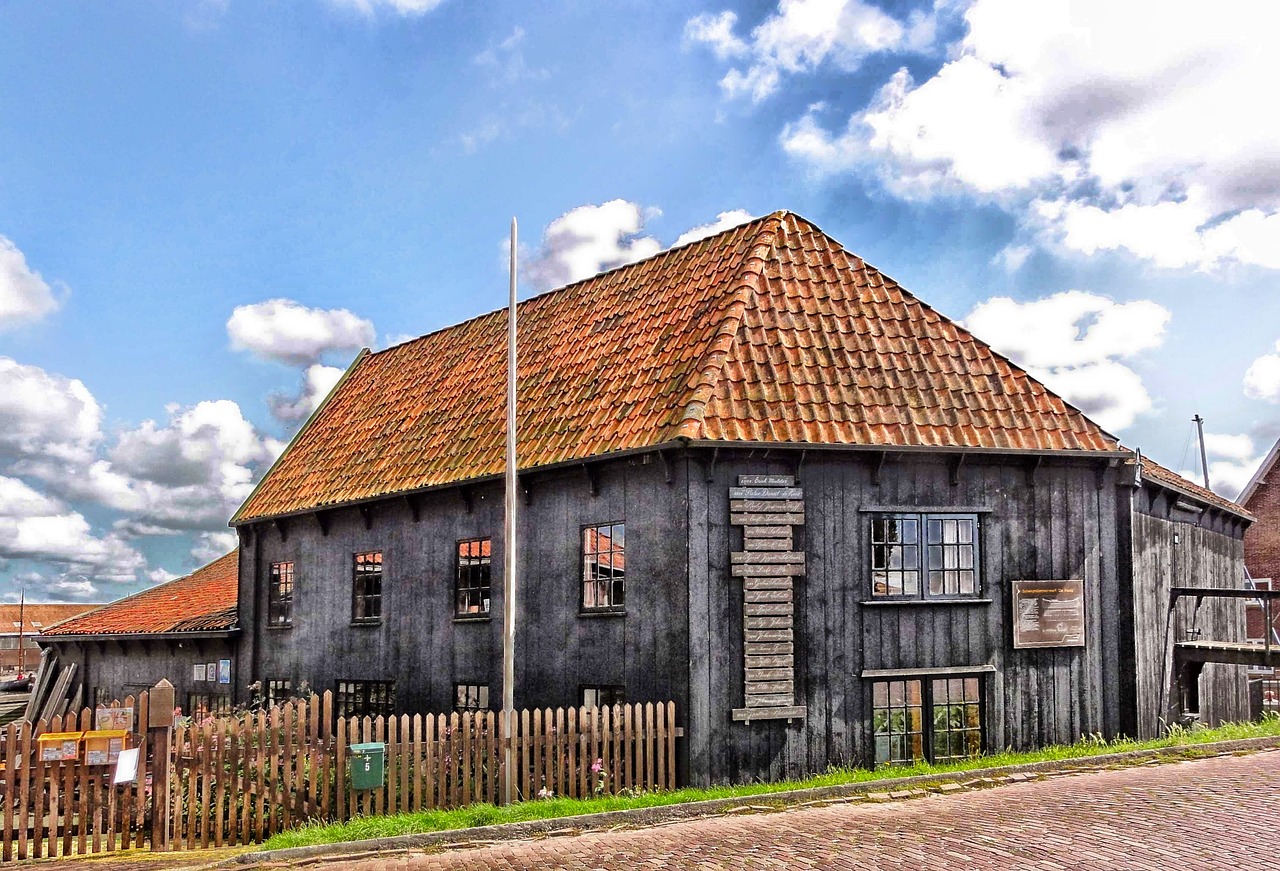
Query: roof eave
[194,635]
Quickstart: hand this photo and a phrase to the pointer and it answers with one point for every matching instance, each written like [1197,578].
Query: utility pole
[509,546]
[1204,459]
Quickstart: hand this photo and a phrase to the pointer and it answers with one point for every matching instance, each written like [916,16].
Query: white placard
[126,767]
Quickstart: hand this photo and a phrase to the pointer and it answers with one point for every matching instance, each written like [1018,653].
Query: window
[366,588]
[924,555]
[471,579]
[603,696]
[278,692]
[280,595]
[951,707]
[365,698]
[471,697]
[604,567]
[201,705]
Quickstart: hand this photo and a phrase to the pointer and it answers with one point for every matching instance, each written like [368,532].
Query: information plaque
[1048,614]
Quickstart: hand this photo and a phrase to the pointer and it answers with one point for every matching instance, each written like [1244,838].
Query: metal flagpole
[509,545]
[1204,460]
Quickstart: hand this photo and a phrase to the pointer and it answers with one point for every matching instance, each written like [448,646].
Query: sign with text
[1048,614]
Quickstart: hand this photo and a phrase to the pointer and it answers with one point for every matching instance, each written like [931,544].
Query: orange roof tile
[37,616]
[767,332]
[204,600]
[1169,478]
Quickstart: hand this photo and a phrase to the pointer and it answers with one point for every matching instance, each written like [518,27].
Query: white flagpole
[509,544]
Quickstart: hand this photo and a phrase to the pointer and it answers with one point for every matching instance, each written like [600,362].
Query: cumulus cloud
[24,295]
[46,415]
[1262,379]
[591,239]
[1074,342]
[1130,126]
[211,545]
[405,8]
[317,381]
[289,332]
[723,221]
[803,36]
[1232,462]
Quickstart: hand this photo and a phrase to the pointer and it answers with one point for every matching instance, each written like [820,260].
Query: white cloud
[317,381]
[24,295]
[1074,342]
[723,221]
[211,545]
[1232,462]
[289,332]
[398,7]
[77,590]
[1262,379]
[160,576]
[1133,126]
[591,239]
[46,415]
[802,36]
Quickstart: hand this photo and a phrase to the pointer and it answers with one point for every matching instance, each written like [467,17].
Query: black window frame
[473,580]
[276,691]
[916,553]
[364,698]
[607,695]
[363,600]
[615,586]
[214,705]
[280,599]
[471,697]
[929,732]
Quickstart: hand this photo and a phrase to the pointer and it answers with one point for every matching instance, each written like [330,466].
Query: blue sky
[207,207]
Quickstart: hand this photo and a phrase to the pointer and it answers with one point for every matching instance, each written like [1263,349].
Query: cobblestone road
[1212,814]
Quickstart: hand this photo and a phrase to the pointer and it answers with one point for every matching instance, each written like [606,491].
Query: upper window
[604,567]
[278,692]
[472,577]
[924,555]
[934,720]
[366,588]
[365,698]
[603,696]
[280,595]
[471,697]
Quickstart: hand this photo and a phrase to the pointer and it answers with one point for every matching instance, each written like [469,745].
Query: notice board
[1048,614]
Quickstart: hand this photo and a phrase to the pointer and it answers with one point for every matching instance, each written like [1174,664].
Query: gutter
[195,635]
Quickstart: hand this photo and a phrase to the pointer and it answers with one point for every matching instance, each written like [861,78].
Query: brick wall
[1262,541]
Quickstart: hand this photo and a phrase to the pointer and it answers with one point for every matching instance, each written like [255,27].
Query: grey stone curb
[877,790]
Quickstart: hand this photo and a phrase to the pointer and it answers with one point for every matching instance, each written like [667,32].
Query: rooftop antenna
[509,544]
[1204,460]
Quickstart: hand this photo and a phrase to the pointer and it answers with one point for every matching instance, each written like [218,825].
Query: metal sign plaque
[1048,614]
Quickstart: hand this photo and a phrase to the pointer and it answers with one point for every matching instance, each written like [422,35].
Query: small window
[278,692]
[366,589]
[471,697]
[280,595]
[603,696]
[472,577]
[934,719]
[604,567]
[924,556]
[365,698]
[202,705]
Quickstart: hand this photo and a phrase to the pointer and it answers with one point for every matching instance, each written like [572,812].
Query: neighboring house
[758,478]
[36,618]
[183,631]
[1261,496]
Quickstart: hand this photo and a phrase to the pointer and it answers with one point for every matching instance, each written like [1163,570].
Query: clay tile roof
[767,332]
[36,617]
[204,600]
[1169,478]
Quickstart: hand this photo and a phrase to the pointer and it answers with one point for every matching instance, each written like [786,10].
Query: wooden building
[183,630]
[19,626]
[759,478]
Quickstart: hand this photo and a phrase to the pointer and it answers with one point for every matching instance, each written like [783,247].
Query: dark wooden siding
[1062,527]
[120,668]
[1172,547]
[425,650]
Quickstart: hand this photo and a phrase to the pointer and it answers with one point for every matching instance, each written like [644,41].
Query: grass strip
[365,828]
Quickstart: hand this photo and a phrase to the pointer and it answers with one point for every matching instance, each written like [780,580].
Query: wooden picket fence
[240,779]
[67,808]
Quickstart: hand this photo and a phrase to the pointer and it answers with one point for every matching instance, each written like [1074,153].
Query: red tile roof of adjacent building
[1169,478]
[202,601]
[769,332]
[37,616]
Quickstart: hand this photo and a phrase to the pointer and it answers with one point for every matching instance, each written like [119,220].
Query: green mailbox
[368,765]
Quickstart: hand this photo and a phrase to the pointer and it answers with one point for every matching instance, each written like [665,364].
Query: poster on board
[1048,613]
[224,671]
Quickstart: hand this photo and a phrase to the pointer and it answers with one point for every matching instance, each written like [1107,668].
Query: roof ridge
[706,373]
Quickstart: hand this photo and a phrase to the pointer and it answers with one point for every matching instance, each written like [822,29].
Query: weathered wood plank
[766,674]
[756,545]
[764,688]
[769,700]
[768,610]
[766,505]
[768,648]
[767,595]
[755,635]
[792,518]
[782,712]
[769,622]
[779,583]
[781,531]
[757,559]
[766,481]
[766,571]
[770,493]
[769,661]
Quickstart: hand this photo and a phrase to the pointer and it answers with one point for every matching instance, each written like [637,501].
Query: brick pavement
[1210,814]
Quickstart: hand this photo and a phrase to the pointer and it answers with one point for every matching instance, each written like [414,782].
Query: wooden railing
[240,779]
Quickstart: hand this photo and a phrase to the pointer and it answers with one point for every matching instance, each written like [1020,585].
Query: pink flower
[597,766]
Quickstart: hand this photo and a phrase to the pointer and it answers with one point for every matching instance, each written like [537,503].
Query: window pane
[604,566]
[965,528]
[935,532]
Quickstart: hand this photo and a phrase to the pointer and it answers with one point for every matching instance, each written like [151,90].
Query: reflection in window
[604,566]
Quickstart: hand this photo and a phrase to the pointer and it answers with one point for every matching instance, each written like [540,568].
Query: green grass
[364,828]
